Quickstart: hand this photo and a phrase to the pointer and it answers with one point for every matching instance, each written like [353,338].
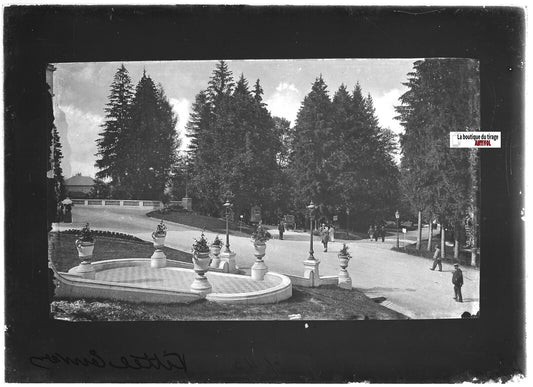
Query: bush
[105,233]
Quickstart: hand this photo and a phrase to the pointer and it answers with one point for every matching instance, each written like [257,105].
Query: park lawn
[323,303]
[208,223]
[65,256]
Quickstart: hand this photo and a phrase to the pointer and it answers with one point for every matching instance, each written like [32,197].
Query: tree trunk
[419,234]
[456,242]
[442,241]
[430,234]
[474,241]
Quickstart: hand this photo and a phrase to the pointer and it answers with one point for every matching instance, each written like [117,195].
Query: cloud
[182,108]
[385,111]
[83,129]
[285,101]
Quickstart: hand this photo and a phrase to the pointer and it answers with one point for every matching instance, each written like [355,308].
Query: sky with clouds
[81,92]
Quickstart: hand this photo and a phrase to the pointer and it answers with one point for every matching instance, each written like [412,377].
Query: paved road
[405,281]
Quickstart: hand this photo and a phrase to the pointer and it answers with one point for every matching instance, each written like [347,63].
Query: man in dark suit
[457,280]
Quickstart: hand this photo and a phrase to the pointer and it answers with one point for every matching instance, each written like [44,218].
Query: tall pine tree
[311,145]
[59,180]
[111,149]
[150,138]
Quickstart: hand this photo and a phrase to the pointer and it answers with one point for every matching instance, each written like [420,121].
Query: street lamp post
[311,207]
[397,214]
[240,224]
[227,206]
[347,218]
[186,177]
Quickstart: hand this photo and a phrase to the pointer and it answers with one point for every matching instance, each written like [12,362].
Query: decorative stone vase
[201,266]
[260,248]
[158,258]
[215,249]
[159,240]
[259,269]
[344,260]
[345,281]
[85,252]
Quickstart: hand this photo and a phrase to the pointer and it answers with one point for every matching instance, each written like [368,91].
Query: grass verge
[65,256]
[323,303]
[208,223]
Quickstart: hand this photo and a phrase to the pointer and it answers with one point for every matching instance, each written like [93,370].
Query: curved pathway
[404,280]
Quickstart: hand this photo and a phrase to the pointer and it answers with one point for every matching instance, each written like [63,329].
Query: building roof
[79,180]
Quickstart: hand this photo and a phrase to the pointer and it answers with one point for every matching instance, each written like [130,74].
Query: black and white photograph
[265,189]
[264,194]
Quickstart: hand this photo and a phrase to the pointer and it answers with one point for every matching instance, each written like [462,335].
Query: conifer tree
[111,150]
[311,134]
[361,167]
[151,140]
[59,180]
[441,98]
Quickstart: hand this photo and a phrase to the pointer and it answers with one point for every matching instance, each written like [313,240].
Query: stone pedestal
[311,266]
[259,269]
[201,285]
[345,281]
[187,203]
[158,259]
[86,270]
[229,257]
[215,262]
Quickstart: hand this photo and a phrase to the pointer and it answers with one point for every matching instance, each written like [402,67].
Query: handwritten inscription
[166,361]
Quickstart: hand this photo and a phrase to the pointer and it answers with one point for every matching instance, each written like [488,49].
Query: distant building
[79,186]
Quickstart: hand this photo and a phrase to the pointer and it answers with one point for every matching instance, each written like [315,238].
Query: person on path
[457,280]
[371,232]
[332,233]
[59,212]
[281,229]
[325,237]
[382,233]
[437,260]
[376,233]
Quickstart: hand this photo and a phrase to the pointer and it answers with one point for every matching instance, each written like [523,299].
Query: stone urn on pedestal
[216,246]
[85,247]
[158,258]
[345,281]
[259,238]
[201,260]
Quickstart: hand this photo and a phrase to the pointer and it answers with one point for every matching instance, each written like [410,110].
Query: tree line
[335,154]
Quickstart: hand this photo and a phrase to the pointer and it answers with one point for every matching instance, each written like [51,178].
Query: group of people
[327,234]
[64,212]
[376,231]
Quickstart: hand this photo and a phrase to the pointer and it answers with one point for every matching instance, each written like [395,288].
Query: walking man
[437,259]
[457,280]
[371,232]
[281,229]
[325,238]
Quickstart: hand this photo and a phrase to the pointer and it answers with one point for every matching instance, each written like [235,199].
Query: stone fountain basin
[133,280]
